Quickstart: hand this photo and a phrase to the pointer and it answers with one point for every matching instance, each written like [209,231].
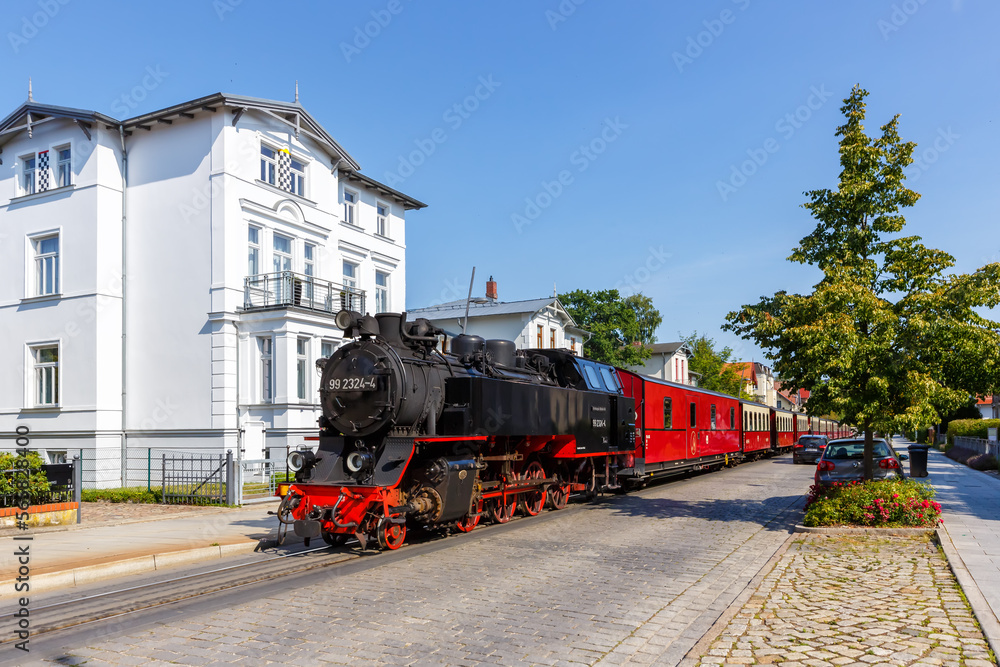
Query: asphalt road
[632,579]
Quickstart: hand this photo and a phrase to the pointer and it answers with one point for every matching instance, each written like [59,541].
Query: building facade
[170,280]
[534,323]
[669,361]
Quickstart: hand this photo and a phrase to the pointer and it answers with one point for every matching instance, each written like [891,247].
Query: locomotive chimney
[491,289]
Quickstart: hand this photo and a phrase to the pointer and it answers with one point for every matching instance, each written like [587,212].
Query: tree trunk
[869,468]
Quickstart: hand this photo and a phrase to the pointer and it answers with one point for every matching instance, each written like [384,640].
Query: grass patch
[132,494]
[889,503]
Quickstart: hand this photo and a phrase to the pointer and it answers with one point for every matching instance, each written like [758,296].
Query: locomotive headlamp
[359,461]
[300,460]
[346,319]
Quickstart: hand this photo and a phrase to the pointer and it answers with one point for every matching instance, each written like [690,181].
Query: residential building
[669,361]
[170,280]
[758,381]
[989,407]
[534,323]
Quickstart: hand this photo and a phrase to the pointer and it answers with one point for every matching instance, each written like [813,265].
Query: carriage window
[694,414]
[732,417]
[668,417]
[713,416]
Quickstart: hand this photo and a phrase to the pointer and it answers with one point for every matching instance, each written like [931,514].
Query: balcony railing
[285,288]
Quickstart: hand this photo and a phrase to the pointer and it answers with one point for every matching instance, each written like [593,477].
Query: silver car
[843,461]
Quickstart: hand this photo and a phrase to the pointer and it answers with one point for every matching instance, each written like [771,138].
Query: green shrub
[38,483]
[134,494]
[971,428]
[890,503]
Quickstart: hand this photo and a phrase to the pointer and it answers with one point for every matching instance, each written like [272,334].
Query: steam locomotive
[412,435]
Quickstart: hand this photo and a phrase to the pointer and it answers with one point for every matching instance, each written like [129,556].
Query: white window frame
[323,348]
[44,374]
[22,181]
[352,280]
[381,292]
[60,163]
[268,165]
[301,368]
[382,218]
[298,176]
[351,208]
[254,249]
[265,356]
[282,255]
[36,259]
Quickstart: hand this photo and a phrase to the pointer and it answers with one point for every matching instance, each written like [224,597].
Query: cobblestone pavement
[110,514]
[854,600]
[630,580]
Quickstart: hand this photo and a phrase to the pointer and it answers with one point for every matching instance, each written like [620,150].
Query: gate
[259,479]
[198,479]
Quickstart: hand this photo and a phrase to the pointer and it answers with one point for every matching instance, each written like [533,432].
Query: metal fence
[976,445]
[259,479]
[46,484]
[198,479]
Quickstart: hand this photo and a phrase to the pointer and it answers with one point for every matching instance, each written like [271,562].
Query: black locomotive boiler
[413,435]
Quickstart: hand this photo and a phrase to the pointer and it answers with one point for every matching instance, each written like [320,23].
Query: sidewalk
[59,559]
[876,598]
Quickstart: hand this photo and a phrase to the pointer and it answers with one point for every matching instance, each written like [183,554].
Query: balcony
[287,289]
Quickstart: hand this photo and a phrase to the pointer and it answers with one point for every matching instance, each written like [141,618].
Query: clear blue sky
[681,92]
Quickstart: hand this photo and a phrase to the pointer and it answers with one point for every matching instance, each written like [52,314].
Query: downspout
[121,134]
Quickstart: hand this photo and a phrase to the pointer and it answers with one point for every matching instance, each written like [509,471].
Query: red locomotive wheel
[559,496]
[503,513]
[470,521]
[390,535]
[533,501]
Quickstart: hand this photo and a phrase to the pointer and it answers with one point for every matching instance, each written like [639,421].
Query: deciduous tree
[711,366]
[616,322]
[888,338]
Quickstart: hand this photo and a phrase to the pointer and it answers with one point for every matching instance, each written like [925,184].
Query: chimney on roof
[491,289]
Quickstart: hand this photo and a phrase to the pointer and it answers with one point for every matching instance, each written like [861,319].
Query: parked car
[809,448]
[843,461]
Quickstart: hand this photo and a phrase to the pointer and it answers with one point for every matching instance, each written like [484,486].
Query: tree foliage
[887,339]
[617,322]
[711,365]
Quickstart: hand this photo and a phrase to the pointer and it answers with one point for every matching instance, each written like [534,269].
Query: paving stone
[855,600]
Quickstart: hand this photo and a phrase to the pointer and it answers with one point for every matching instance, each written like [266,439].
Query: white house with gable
[169,281]
[534,323]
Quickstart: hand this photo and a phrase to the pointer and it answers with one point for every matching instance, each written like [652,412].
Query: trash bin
[918,460]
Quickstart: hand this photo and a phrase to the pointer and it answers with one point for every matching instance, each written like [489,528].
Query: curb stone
[980,607]
[91,573]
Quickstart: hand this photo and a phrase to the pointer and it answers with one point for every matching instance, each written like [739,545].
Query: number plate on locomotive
[352,384]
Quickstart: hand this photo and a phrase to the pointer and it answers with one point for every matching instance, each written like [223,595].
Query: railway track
[75,621]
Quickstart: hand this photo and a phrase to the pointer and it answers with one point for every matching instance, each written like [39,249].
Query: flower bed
[891,503]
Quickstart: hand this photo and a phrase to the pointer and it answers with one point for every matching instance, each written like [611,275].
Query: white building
[170,280]
[534,323]
[669,361]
